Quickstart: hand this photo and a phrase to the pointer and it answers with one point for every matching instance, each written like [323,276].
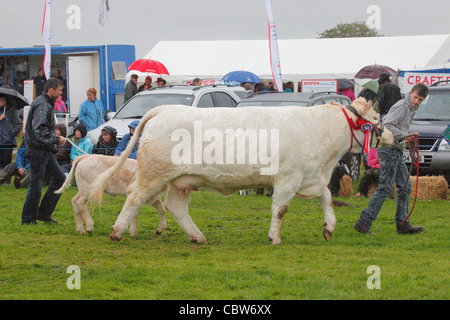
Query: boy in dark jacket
[62,153]
[107,142]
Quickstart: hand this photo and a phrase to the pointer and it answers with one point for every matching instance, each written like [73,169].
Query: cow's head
[380,136]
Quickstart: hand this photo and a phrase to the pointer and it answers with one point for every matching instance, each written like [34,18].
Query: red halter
[364,125]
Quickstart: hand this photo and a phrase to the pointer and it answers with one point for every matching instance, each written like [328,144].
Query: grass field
[237,263]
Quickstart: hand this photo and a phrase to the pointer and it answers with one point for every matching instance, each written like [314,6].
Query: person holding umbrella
[369,92]
[10,126]
[131,88]
[388,94]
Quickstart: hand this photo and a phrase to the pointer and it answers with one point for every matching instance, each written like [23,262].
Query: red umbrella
[373,71]
[148,65]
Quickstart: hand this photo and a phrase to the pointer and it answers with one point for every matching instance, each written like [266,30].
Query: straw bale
[346,188]
[430,187]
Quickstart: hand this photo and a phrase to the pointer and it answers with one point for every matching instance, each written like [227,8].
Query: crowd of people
[46,155]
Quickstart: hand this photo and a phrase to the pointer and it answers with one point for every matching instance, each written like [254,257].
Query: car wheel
[353,163]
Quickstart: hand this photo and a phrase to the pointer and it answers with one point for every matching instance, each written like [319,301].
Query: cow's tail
[98,187]
[71,174]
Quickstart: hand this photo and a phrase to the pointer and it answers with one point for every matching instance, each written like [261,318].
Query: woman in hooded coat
[107,142]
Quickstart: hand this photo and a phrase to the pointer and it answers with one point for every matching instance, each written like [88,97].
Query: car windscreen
[138,106]
[242,94]
[270,104]
[435,107]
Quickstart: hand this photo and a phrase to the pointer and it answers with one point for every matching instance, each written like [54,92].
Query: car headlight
[444,146]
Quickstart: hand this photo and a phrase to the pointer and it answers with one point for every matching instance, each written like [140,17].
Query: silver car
[305,99]
[195,96]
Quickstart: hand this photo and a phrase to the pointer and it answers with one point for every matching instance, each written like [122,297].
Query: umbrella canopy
[241,76]
[148,65]
[14,98]
[373,71]
[372,85]
[345,83]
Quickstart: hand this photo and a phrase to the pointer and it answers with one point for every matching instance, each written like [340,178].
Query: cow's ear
[365,109]
[370,104]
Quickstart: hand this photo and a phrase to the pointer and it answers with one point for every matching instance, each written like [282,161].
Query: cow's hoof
[327,234]
[275,242]
[113,237]
[195,240]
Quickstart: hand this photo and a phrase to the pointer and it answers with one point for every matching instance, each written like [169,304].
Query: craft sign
[413,78]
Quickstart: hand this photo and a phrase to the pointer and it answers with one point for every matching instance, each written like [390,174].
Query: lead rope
[67,139]
[414,153]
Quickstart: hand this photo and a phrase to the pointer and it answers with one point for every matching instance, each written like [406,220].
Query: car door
[206,101]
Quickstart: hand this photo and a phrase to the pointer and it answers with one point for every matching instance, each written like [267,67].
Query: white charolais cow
[291,149]
[86,169]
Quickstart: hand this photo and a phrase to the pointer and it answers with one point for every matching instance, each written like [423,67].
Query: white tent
[300,58]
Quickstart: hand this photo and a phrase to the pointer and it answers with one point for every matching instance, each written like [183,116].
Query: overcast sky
[145,22]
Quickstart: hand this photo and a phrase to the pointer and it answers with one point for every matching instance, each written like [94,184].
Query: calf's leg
[159,206]
[77,214]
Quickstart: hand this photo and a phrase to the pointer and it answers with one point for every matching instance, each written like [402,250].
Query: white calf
[86,169]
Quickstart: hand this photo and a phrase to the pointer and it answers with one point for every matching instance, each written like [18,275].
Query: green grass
[237,263]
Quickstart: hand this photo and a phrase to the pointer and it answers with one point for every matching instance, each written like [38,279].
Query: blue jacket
[21,160]
[123,145]
[91,114]
[84,144]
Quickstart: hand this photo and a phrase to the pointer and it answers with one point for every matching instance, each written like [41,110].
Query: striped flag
[273,44]
[47,37]
[103,12]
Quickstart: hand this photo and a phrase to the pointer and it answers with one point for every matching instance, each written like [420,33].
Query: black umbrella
[14,98]
[373,71]
[345,83]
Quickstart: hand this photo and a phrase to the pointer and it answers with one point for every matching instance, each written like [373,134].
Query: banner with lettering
[47,37]
[273,45]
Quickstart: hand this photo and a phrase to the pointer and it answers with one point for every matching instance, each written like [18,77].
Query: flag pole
[47,37]
[106,52]
[273,48]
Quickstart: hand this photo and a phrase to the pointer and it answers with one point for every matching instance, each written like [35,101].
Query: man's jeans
[393,169]
[41,163]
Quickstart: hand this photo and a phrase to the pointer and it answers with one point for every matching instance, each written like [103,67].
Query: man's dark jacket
[388,95]
[40,126]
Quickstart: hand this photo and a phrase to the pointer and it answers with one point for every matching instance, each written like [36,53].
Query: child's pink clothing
[372,159]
